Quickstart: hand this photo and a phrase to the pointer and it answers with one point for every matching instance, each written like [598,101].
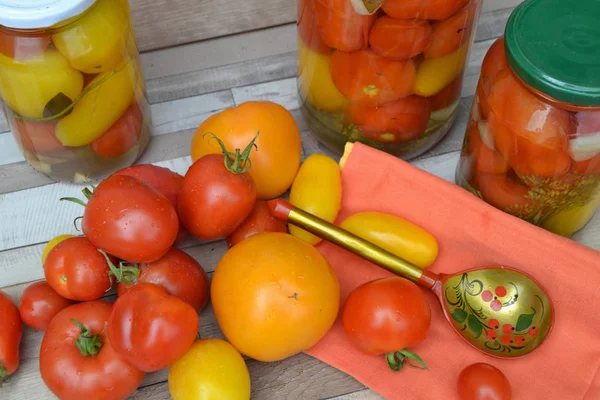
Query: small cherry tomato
[317,189]
[503,192]
[399,39]
[121,136]
[449,35]
[308,28]
[394,122]
[217,196]
[37,137]
[77,359]
[385,316]
[485,160]
[493,63]
[260,220]
[423,9]
[340,26]
[151,329]
[53,242]
[483,381]
[22,47]
[76,270]
[367,78]
[178,272]
[11,331]
[39,304]
[447,96]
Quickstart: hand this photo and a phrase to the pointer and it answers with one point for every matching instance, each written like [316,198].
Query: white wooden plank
[491,5]
[9,150]
[284,92]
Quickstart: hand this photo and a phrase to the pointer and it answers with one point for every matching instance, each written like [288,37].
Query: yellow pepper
[434,74]
[50,245]
[396,235]
[28,85]
[97,41]
[569,221]
[111,94]
[317,189]
[315,81]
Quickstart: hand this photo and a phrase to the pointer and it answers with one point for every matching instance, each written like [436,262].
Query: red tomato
[493,63]
[450,34]
[22,47]
[36,137]
[11,331]
[121,136]
[588,167]
[260,220]
[76,270]
[130,220]
[162,179]
[399,39]
[150,328]
[340,26]
[215,199]
[483,381]
[485,160]
[179,274]
[386,315]
[394,122]
[40,303]
[370,79]
[503,192]
[79,362]
[449,95]
[423,9]
[308,28]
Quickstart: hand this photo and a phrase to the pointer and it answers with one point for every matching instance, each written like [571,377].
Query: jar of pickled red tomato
[72,87]
[387,73]
[532,146]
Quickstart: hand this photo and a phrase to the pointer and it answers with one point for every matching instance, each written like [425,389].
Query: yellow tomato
[274,296]
[50,245]
[212,369]
[100,108]
[96,42]
[317,189]
[396,235]
[569,221]
[28,85]
[434,74]
[315,81]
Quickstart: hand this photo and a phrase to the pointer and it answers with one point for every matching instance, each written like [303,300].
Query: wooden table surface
[200,57]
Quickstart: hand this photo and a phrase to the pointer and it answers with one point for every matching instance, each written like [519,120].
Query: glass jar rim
[39,14]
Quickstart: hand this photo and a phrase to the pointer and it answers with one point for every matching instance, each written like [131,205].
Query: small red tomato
[162,179]
[483,381]
[450,34]
[423,9]
[179,274]
[40,303]
[121,136]
[493,63]
[77,359]
[385,316]
[76,270]
[37,137]
[22,47]
[11,331]
[308,28]
[340,26]
[399,39]
[150,328]
[447,96]
[260,220]
[130,220]
[216,196]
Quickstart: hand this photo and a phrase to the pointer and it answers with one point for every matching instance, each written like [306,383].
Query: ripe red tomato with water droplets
[130,220]
[481,381]
[11,331]
[179,273]
[40,303]
[260,220]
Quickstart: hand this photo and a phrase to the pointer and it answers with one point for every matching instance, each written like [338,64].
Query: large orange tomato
[276,158]
[274,295]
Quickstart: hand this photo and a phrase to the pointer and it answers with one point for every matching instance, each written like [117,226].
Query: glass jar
[532,146]
[72,86]
[385,73]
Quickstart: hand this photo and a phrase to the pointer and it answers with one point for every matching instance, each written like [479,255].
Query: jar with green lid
[532,146]
[72,87]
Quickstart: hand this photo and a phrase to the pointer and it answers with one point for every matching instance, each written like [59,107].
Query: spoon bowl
[501,311]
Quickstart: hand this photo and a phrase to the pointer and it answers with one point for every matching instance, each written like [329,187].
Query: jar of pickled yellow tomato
[72,87]
[532,146]
[387,73]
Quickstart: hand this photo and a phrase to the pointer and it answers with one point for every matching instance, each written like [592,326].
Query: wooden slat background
[201,56]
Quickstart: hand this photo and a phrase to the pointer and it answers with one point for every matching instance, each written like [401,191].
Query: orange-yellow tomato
[274,296]
[317,189]
[276,159]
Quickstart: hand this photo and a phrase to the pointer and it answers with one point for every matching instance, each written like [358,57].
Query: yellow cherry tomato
[317,189]
[28,85]
[315,81]
[569,221]
[96,42]
[50,245]
[212,369]
[396,235]
[434,74]
[100,108]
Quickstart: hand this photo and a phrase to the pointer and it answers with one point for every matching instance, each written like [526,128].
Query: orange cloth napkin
[470,234]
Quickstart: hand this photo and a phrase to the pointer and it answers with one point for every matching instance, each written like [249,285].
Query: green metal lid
[554,47]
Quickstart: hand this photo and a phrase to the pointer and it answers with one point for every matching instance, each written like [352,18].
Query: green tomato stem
[397,359]
[237,162]
[3,374]
[123,273]
[89,345]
